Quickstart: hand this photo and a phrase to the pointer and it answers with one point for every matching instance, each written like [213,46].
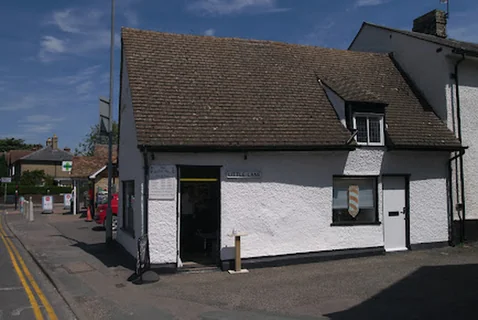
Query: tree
[8,144]
[35,178]
[87,146]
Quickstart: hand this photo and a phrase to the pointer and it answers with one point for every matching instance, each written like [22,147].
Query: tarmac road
[25,293]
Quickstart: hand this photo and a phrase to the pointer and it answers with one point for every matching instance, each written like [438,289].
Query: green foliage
[8,144]
[23,190]
[87,146]
[36,178]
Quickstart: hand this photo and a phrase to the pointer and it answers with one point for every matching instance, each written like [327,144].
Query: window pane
[367,196]
[362,129]
[374,129]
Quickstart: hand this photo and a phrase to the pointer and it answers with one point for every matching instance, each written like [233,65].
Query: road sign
[6,180]
[67,200]
[104,116]
[66,166]
[47,204]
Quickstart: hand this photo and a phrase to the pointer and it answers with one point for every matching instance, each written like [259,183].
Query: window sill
[129,232]
[354,223]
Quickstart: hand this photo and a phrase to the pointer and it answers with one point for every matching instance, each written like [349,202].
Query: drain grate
[78,267]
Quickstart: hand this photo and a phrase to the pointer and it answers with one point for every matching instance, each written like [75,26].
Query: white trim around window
[369,139]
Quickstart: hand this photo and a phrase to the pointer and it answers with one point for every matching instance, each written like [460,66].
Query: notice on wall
[162,182]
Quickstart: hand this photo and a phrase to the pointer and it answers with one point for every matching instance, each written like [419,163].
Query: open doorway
[199,216]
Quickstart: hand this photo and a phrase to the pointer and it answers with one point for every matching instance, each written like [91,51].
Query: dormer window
[370,129]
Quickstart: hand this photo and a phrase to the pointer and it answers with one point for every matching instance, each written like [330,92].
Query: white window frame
[382,132]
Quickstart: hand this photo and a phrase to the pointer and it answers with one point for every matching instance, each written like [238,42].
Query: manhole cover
[78,267]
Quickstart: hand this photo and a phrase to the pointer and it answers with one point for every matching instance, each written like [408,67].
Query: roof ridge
[31,154]
[422,36]
[259,41]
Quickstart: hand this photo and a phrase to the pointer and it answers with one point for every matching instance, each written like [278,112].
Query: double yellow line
[26,278]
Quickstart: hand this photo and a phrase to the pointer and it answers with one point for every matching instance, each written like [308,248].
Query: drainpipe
[145,190]
[460,157]
[451,237]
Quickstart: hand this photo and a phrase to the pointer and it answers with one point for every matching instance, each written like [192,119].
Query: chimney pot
[66,149]
[55,142]
[433,23]
[48,142]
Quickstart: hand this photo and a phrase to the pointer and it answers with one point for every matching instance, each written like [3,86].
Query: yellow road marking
[31,297]
[43,299]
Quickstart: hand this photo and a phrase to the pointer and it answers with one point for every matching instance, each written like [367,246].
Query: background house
[49,159]
[445,71]
[93,170]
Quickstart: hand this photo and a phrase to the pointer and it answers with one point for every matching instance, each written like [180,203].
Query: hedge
[34,189]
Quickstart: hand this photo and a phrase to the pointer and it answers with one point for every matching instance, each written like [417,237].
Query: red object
[101,215]
[88,215]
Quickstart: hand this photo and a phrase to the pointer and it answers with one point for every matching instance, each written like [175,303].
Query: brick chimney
[66,149]
[433,22]
[54,142]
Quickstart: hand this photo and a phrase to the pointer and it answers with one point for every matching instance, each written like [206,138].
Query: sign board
[162,182]
[47,204]
[66,166]
[104,116]
[353,200]
[67,200]
[239,174]
[6,180]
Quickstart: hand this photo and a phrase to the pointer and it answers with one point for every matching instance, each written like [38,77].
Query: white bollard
[26,209]
[31,218]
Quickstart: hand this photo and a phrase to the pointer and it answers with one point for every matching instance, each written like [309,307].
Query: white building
[445,71]
[311,152]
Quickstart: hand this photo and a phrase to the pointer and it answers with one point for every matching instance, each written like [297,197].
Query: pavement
[92,278]
[25,292]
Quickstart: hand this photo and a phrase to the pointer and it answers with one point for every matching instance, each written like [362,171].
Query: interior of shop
[200,215]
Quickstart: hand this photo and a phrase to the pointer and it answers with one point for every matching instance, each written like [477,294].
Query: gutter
[240,149]
[460,155]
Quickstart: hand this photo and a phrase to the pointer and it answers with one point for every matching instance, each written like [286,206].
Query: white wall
[338,103]
[130,166]
[431,70]
[289,210]
[468,79]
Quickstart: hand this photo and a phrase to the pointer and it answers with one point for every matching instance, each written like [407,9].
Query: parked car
[100,217]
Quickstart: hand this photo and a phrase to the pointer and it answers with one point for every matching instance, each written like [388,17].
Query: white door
[394,213]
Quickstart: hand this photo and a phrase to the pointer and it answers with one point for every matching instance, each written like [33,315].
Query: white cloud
[40,118]
[224,7]
[84,31]
[369,3]
[210,32]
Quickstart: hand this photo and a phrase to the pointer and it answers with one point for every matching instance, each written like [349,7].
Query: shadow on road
[113,255]
[431,292]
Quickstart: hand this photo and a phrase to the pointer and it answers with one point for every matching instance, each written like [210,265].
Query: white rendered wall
[289,210]
[130,166]
[431,72]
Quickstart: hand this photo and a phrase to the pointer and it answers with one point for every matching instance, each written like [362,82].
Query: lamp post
[109,214]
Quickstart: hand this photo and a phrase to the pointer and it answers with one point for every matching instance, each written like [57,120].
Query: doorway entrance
[396,213]
[199,216]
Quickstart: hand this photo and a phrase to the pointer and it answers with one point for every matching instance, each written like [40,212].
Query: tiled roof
[199,91]
[49,154]
[84,166]
[448,42]
[14,155]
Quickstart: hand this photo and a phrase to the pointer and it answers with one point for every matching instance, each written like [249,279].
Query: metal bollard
[25,210]
[31,218]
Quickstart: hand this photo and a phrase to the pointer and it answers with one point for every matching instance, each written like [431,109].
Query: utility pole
[109,213]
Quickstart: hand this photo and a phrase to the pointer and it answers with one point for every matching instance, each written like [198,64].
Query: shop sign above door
[241,174]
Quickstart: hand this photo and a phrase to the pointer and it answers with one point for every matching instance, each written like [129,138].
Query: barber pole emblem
[353,200]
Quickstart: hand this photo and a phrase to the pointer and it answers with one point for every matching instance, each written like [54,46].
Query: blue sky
[54,62]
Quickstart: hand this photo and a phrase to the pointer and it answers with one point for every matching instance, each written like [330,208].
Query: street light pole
[109,213]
